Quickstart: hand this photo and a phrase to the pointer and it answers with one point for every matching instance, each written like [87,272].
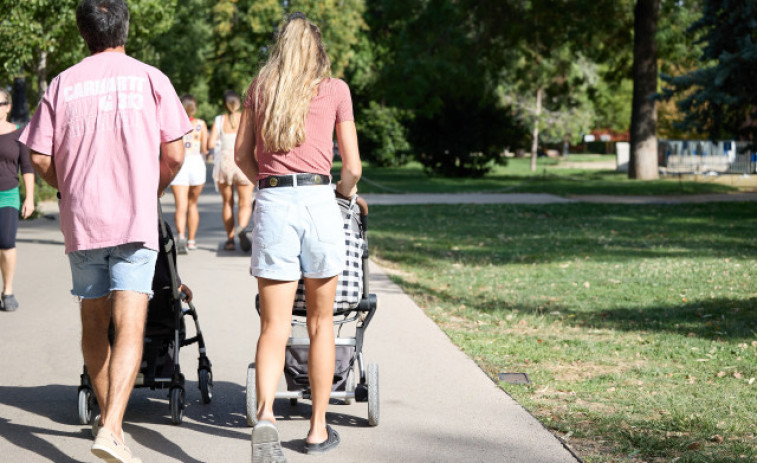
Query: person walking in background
[188,183]
[107,134]
[13,155]
[285,143]
[227,174]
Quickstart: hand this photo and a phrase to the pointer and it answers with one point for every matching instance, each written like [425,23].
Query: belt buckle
[316,179]
[273,181]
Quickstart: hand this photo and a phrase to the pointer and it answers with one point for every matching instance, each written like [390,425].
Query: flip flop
[229,246]
[330,443]
[244,241]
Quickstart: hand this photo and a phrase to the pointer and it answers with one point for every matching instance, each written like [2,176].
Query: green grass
[636,324]
[516,177]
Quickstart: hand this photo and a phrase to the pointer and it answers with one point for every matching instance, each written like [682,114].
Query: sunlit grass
[636,324]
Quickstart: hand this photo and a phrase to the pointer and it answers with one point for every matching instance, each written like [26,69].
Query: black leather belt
[289,180]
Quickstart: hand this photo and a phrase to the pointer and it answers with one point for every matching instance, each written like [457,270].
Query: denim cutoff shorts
[297,231]
[126,267]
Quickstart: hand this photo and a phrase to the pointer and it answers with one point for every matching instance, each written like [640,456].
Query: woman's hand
[340,190]
[27,209]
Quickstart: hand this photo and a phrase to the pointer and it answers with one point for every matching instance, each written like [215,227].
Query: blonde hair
[189,103]
[288,81]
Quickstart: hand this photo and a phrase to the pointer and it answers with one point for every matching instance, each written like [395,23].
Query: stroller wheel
[176,404]
[372,379]
[205,378]
[251,397]
[87,402]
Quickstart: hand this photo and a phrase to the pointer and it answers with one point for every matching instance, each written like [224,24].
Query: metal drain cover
[514,378]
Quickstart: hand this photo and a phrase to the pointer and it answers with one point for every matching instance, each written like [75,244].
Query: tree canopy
[719,99]
[451,83]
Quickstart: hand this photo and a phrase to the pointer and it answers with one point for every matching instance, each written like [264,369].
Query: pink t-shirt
[332,105]
[103,121]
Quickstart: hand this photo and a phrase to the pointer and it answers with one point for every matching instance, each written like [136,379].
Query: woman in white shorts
[188,183]
[285,143]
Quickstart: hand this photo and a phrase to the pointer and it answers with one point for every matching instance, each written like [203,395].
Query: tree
[643,160]
[430,69]
[720,98]
[40,37]
[37,37]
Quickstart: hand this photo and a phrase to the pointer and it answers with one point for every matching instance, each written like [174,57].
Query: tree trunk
[643,156]
[42,74]
[535,140]
[20,111]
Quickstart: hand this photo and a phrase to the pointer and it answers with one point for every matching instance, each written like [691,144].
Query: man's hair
[103,23]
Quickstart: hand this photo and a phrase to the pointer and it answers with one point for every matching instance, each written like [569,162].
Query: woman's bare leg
[319,297]
[276,301]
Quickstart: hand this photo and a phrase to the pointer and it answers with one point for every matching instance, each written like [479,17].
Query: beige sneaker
[108,447]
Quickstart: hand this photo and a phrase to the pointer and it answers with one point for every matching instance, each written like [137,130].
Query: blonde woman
[285,143]
[227,175]
[188,183]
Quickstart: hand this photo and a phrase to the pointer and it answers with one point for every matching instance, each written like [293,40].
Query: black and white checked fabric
[349,288]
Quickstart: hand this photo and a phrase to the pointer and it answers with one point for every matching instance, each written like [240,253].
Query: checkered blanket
[349,288]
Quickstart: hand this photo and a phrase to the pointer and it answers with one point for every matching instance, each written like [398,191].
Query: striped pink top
[332,105]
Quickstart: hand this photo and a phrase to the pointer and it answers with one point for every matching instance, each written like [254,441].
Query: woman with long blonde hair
[285,144]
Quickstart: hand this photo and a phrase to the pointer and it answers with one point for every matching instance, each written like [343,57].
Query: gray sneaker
[9,302]
[266,447]
[181,246]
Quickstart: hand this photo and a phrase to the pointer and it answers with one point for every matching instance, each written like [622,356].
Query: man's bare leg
[95,319]
[129,314]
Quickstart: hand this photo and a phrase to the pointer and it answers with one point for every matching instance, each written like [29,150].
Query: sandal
[330,443]
[192,245]
[229,246]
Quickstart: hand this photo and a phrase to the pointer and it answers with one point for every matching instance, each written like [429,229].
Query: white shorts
[192,172]
[297,231]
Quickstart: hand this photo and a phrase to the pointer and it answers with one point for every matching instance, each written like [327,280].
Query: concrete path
[436,404]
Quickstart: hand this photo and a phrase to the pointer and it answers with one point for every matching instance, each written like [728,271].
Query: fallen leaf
[737,375]
[694,446]
[717,438]
[587,284]
[721,374]
[610,389]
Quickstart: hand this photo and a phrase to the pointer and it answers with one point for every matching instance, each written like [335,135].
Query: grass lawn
[636,324]
[516,177]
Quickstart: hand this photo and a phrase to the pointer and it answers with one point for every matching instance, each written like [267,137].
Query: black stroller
[354,307]
[165,329]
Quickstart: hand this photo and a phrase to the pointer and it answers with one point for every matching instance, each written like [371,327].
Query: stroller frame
[367,374]
[145,378]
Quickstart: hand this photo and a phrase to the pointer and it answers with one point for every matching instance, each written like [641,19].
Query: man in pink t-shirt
[107,134]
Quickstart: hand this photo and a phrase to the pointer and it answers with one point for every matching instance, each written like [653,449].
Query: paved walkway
[436,404]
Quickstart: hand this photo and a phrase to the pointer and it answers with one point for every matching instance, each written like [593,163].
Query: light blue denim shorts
[297,231]
[127,267]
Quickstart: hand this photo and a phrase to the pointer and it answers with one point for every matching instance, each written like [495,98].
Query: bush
[465,139]
[382,135]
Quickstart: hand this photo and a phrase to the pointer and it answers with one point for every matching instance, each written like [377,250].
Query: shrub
[382,135]
[465,139]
